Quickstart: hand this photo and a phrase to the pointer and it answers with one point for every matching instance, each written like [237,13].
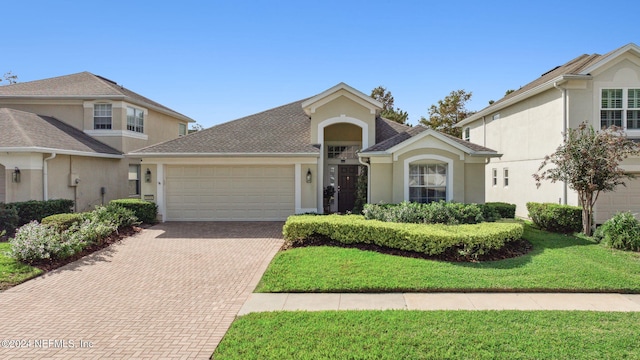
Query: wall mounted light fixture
[147,176]
[309,177]
[16,175]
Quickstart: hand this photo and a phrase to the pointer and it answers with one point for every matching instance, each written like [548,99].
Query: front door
[347,180]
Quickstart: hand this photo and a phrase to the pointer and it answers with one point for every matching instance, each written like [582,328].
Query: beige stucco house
[270,165]
[529,123]
[66,137]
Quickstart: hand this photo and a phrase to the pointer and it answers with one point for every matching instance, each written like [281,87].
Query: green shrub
[37,210]
[556,218]
[145,211]
[622,231]
[9,219]
[112,214]
[36,242]
[431,239]
[440,212]
[62,221]
[505,210]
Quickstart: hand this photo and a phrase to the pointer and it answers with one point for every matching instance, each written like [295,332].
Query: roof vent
[549,71]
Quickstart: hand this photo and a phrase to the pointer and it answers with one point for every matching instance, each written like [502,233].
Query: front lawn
[13,272]
[432,335]
[556,263]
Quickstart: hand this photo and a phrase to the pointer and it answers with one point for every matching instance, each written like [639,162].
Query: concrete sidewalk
[442,301]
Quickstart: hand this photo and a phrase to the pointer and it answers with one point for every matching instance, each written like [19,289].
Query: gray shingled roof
[20,129]
[281,130]
[81,85]
[413,131]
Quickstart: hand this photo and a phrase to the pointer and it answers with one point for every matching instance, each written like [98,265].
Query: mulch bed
[510,250]
[112,239]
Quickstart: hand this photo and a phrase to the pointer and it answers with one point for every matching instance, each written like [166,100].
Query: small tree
[588,161]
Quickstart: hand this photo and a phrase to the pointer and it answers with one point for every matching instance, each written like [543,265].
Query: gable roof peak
[332,93]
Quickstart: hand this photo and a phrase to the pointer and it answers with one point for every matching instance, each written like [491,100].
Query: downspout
[45,177]
[565,127]
[368,178]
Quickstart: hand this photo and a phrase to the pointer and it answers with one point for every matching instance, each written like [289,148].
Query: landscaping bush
[63,221]
[145,211]
[556,218]
[37,210]
[432,239]
[112,214]
[440,212]
[622,231]
[9,219]
[504,210]
[35,242]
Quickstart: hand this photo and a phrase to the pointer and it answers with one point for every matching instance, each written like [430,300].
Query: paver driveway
[169,292]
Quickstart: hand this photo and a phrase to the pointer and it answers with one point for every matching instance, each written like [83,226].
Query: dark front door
[347,179]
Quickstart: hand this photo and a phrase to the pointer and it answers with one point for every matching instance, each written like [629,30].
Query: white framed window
[620,107]
[182,129]
[342,151]
[427,182]
[505,175]
[102,116]
[467,134]
[134,180]
[494,177]
[135,119]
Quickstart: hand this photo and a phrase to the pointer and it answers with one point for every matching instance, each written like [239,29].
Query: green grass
[405,334]
[13,272]
[556,263]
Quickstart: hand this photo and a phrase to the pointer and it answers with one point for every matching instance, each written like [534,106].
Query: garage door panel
[623,199]
[229,192]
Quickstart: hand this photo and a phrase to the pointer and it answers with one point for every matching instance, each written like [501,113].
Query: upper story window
[494,177]
[135,120]
[505,173]
[182,129]
[620,107]
[102,116]
[343,152]
[467,134]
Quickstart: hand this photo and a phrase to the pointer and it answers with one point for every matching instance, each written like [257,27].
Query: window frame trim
[93,109]
[422,158]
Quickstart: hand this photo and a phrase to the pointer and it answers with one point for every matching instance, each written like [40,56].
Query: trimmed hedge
[557,218]
[37,210]
[145,211]
[9,219]
[504,210]
[63,221]
[431,239]
[440,212]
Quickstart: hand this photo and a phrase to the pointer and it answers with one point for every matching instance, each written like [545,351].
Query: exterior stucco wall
[308,190]
[474,183]
[342,132]
[3,181]
[67,111]
[381,182]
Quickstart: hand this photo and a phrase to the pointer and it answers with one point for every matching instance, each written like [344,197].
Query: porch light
[147,176]
[309,178]
[16,175]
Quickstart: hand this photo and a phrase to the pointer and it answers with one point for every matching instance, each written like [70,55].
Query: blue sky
[216,61]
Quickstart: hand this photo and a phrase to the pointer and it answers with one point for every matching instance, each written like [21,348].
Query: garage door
[223,193]
[623,199]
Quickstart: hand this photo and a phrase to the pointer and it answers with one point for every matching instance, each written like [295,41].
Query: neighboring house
[278,162]
[529,123]
[66,137]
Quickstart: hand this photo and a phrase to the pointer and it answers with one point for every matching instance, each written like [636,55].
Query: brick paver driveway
[170,292]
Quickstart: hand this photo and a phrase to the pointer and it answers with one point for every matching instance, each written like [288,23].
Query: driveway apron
[170,292]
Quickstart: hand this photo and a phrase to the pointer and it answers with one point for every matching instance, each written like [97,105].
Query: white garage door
[623,199]
[222,193]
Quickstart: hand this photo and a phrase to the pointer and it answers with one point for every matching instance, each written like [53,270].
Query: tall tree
[588,161]
[448,112]
[10,78]
[388,112]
